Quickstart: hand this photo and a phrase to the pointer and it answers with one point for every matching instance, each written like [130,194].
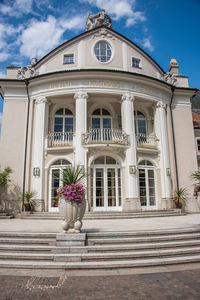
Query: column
[161,134]
[40,126]
[81,127]
[131,202]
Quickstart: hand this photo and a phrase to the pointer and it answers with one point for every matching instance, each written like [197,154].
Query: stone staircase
[108,215]
[103,250]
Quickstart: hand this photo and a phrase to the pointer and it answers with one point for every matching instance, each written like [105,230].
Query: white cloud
[2,74]
[147,44]
[41,36]
[119,9]
[4,56]
[16,8]
[7,31]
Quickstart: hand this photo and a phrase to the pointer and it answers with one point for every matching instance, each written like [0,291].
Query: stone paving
[157,286]
[152,223]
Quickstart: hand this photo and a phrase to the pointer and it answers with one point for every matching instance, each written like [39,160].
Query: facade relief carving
[160,104]
[81,95]
[103,33]
[27,72]
[127,97]
[102,18]
[169,78]
[41,100]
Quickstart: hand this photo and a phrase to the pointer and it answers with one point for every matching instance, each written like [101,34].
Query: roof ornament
[102,18]
[29,71]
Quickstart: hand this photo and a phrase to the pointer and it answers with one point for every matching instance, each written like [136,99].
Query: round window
[103,51]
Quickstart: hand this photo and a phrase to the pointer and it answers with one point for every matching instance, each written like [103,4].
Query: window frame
[198,146]
[138,60]
[63,117]
[111,48]
[136,119]
[68,55]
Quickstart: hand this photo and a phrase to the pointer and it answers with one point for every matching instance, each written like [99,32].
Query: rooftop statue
[102,18]
[29,71]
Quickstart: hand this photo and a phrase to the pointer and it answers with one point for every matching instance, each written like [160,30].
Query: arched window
[56,180]
[101,119]
[147,184]
[63,121]
[101,125]
[140,123]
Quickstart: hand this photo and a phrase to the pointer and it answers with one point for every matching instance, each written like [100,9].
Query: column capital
[127,97]
[41,99]
[81,95]
[161,105]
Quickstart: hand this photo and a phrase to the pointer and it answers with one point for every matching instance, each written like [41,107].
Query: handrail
[105,135]
[60,139]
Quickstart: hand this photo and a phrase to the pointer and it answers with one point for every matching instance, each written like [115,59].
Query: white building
[100,101]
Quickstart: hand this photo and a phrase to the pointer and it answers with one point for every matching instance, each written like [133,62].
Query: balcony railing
[146,140]
[60,139]
[105,136]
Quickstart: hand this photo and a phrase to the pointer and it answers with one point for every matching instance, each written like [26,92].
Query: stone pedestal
[67,240]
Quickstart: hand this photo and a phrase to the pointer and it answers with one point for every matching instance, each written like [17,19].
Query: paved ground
[159,286]
[34,225]
[184,284]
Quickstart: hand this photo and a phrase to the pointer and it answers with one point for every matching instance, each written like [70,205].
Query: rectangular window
[68,59]
[136,62]
[198,145]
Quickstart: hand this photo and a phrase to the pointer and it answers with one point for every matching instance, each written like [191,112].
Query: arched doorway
[55,181]
[105,184]
[147,185]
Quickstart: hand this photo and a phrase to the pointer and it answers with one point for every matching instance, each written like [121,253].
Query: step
[133,263]
[108,215]
[28,234]
[23,241]
[100,265]
[26,248]
[121,234]
[143,254]
[26,256]
[116,240]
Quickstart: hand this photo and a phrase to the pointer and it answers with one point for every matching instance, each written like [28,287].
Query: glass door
[147,188]
[106,188]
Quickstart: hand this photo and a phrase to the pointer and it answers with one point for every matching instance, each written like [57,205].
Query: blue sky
[163,28]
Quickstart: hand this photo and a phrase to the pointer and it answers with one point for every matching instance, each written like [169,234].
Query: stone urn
[72,214]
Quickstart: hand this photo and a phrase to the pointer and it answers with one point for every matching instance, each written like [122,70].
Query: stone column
[40,126]
[131,203]
[163,147]
[81,127]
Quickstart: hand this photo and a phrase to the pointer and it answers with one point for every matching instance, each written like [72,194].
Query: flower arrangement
[72,188]
[196,191]
[74,192]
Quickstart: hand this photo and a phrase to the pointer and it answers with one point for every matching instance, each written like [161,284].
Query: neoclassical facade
[101,102]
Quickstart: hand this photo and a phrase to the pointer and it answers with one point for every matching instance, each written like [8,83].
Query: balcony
[60,139]
[146,141]
[105,136]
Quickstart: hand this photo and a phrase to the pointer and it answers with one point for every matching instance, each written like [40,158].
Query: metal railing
[60,139]
[144,139]
[106,135]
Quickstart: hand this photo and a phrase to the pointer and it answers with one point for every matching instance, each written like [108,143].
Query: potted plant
[71,195]
[196,177]
[180,195]
[28,202]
